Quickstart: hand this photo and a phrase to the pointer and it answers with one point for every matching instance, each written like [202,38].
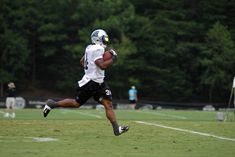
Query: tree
[161,45]
[218,62]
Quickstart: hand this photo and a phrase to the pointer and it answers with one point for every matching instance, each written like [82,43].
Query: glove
[114,55]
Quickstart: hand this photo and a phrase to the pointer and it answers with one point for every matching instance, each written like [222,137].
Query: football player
[10,101]
[92,84]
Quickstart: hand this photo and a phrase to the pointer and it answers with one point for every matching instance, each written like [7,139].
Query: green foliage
[15,54]
[219,59]
[168,49]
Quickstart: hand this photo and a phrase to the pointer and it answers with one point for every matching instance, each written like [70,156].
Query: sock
[54,105]
[115,128]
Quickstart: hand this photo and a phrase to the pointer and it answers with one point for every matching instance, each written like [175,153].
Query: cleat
[12,115]
[121,130]
[46,110]
[6,115]
[47,107]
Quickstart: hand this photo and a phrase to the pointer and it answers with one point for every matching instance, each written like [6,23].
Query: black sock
[115,128]
[54,105]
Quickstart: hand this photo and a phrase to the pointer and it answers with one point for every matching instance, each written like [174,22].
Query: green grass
[87,133]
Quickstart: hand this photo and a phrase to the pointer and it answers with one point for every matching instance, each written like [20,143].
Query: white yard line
[44,139]
[90,115]
[162,114]
[186,130]
[21,139]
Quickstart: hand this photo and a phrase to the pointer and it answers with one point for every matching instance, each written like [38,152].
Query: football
[107,55]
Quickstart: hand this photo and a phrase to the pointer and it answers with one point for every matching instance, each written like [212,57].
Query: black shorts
[132,101]
[98,91]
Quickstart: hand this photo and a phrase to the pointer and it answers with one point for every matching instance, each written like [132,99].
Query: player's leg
[109,110]
[81,97]
[12,108]
[104,96]
[63,103]
[8,106]
[132,104]
[66,103]
[118,130]
[110,114]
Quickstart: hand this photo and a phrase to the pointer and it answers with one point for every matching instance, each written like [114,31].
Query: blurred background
[170,50]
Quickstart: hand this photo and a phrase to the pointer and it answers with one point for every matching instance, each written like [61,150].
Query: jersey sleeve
[98,53]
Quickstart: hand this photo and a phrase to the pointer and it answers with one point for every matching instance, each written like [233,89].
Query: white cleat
[46,110]
[13,115]
[121,130]
[6,115]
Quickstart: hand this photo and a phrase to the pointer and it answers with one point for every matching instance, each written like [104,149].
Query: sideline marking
[186,130]
[19,138]
[44,139]
[90,115]
[162,114]
[66,111]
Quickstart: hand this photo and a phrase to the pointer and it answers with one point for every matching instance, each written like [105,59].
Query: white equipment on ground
[231,105]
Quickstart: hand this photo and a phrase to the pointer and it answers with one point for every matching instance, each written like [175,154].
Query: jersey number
[108,92]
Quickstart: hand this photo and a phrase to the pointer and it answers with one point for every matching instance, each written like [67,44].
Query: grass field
[87,133]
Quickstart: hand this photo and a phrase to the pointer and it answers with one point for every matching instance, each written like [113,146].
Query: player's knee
[108,106]
[76,104]
[72,102]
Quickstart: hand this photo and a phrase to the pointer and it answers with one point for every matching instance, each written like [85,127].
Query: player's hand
[114,55]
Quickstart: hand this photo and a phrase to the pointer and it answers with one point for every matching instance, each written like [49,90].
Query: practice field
[87,133]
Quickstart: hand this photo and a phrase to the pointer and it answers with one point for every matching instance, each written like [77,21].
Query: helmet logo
[95,33]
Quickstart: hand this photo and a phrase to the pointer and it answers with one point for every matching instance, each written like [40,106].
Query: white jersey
[92,71]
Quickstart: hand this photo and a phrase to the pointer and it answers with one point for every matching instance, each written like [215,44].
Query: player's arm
[82,61]
[103,64]
[136,97]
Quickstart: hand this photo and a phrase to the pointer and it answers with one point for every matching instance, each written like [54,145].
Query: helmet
[99,37]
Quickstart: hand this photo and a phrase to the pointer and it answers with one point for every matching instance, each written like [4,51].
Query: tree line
[171,50]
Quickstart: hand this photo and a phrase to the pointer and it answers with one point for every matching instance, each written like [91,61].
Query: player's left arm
[82,61]
[103,64]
